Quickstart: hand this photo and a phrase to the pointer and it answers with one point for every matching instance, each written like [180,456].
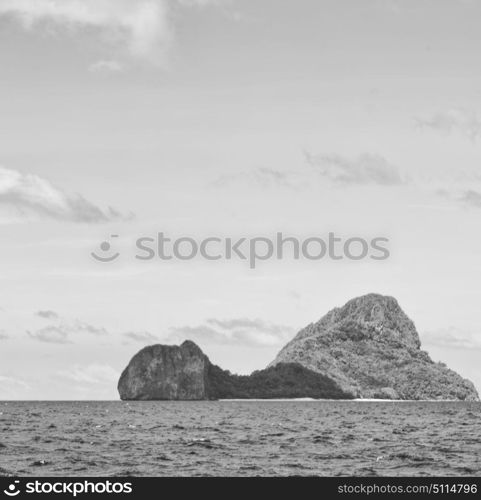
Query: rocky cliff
[371,349]
[368,348]
[165,372]
[184,372]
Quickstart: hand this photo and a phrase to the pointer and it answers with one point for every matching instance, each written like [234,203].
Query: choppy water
[240,438]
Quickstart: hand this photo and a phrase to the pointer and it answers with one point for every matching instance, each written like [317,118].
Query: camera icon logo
[106,255]
[12,490]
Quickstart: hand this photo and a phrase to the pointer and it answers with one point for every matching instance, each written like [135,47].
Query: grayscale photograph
[239,239]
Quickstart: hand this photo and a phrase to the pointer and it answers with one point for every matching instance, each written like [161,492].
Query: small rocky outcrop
[165,372]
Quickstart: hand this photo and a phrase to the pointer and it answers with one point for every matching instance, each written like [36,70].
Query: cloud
[91,374]
[47,314]
[462,121]
[142,337]
[237,324]
[11,387]
[109,66]
[200,3]
[140,29]
[3,335]
[238,331]
[51,334]
[269,176]
[471,198]
[363,170]
[31,194]
[81,327]
[453,338]
[63,330]
[262,176]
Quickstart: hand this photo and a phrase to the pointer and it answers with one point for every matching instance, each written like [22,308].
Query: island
[368,349]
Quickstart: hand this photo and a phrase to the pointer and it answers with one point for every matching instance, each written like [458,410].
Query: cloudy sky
[230,118]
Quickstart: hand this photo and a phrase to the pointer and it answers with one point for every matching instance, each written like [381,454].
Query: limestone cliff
[165,372]
[371,349]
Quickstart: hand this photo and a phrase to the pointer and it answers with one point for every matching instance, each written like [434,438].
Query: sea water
[240,438]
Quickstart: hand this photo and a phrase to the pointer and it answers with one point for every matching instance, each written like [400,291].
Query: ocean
[240,438]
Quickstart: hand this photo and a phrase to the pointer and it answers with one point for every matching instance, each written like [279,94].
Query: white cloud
[263,177]
[91,374]
[471,198]
[47,314]
[466,123]
[51,334]
[142,337]
[199,3]
[452,337]
[468,198]
[107,66]
[11,388]
[237,331]
[141,29]
[63,330]
[31,194]
[81,327]
[365,169]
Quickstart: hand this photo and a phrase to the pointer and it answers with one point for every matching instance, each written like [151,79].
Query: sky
[230,119]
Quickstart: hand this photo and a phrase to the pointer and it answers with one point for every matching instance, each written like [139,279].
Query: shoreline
[267,400]
[356,400]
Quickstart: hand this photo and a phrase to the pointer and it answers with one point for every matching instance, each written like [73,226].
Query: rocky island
[368,348]
[184,372]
